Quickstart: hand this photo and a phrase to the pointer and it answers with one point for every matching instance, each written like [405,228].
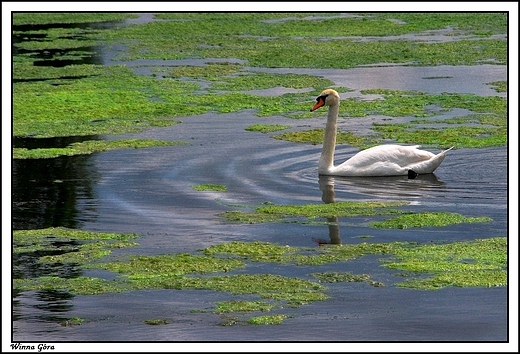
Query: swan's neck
[329,143]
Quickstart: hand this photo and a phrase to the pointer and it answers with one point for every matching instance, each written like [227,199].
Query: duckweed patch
[300,43]
[20,18]
[88,99]
[258,80]
[427,219]
[316,136]
[74,321]
[76,246]
[337,277]
[482,263]
[89,147]
[267,128]
[242,306]
[426,266]
[499,86]
[254,251]
[171,266]
[267,320]
[79,286]
[276,213]
[209,187]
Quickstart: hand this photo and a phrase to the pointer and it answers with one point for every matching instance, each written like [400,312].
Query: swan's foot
[412,174]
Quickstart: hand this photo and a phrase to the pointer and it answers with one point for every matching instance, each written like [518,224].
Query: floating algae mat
[478,263]
[52,99]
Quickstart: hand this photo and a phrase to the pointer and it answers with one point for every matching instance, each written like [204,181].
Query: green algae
[157,321]
[300,43]
[242,306]
[427,219]
[41,18]
[89,147]
[481,263]
[80,285]
[83,243]
[337,277]
[171,266]
[74,321]
[276,213]
[209,187]
[477,263]
[316,136]
[267,320]
[267,128]
[114,100]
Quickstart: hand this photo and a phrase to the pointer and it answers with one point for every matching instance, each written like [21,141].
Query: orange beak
[318,104]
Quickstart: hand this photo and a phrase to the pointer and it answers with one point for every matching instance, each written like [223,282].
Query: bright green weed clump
[427,220]
[209,187]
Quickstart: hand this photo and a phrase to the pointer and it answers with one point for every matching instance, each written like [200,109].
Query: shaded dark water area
[52,192]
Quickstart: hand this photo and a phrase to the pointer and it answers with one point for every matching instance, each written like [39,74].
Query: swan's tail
[428,166]
[445,151]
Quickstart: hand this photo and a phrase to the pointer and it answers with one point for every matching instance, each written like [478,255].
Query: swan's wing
[395,155]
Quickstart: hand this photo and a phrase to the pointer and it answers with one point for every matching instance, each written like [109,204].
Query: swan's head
[328,97]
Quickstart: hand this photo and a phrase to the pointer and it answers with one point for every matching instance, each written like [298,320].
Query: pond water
[149,191]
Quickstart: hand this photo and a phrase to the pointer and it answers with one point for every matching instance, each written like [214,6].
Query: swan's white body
[382,160]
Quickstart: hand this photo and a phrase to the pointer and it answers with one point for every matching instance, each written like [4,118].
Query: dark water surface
[149,191]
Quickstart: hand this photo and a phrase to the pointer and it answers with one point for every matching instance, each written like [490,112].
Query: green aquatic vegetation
[481,262]
[113,103]
[211,71]
[294,291]
[276,213]
[80,285]
[50,239]
[41,18]
[62,247]
[301,43]
[242,306]
[254,251]
[337,277]
[171,266]
[267,128]
[113,100]
[209,187]
[499,86]
[57,43]
[267,320]
[471,137]
[24,70]
[89,147]
[469,263]
[316,136]
[344,253]
[74,321]
[157,321]
[427,219]
[397,103]
[332,24]
[258,80]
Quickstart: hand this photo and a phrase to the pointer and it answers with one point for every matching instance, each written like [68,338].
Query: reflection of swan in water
[327,189]
[382,160]
[384,186]
[391,187]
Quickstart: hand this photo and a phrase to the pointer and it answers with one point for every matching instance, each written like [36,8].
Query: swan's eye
[321,98]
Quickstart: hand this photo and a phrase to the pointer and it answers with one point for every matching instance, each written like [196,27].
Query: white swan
[382,160]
